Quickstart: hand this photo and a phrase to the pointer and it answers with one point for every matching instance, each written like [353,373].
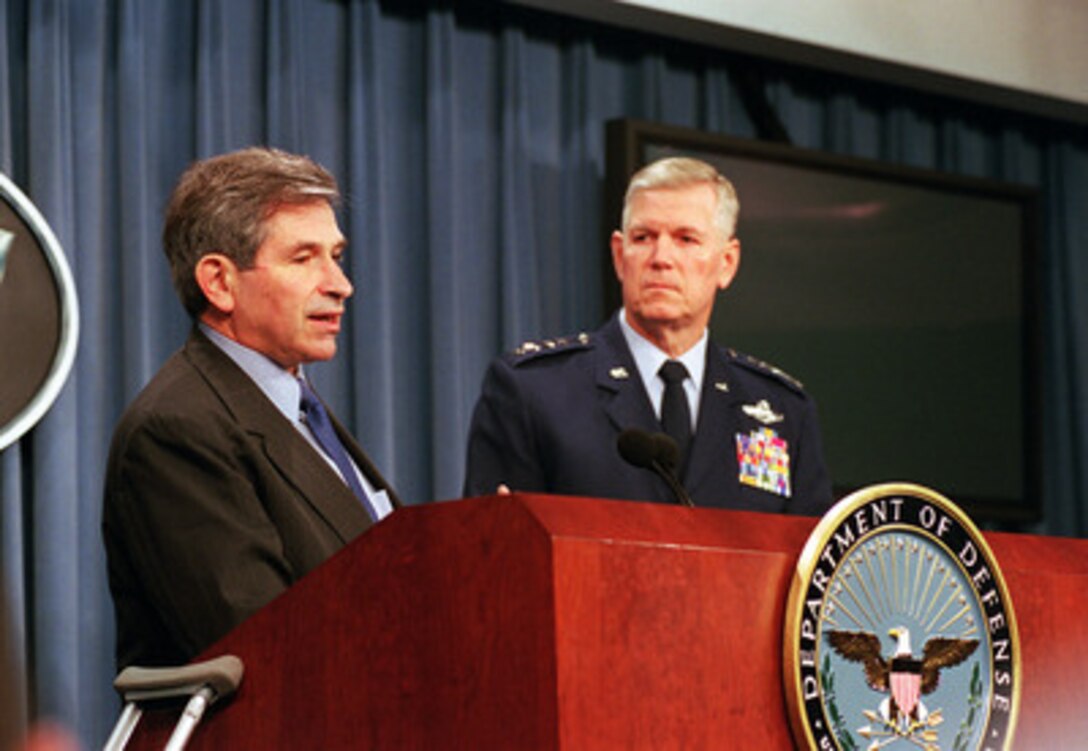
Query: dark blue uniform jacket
[550,412]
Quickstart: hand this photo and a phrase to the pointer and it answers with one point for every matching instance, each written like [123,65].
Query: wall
[1024,54]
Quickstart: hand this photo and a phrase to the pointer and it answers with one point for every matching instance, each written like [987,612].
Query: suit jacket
[550,413]
[214,504]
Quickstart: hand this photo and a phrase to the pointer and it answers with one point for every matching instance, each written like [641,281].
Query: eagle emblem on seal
[903,677]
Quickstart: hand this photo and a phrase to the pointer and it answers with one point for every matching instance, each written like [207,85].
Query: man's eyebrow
[318,245]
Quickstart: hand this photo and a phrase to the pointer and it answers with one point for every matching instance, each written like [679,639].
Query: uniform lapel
[286,449]
[623,397]
[713,452]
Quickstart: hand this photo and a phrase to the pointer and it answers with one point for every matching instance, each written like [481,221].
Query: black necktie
[318,420]
[675,413]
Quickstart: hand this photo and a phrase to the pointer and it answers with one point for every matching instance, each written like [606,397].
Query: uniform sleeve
[812,489]
[501,444]
[182,506]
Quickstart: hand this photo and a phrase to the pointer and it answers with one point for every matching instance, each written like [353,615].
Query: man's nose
[336,282]
[664,250]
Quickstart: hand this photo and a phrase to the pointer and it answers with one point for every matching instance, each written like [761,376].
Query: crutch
[203,682]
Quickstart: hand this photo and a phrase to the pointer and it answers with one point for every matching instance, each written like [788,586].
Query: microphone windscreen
[637,447]
[665,450]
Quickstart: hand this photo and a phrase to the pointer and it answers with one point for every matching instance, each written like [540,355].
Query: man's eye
[302,257]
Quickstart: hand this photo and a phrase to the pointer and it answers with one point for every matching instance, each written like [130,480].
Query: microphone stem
[674,484]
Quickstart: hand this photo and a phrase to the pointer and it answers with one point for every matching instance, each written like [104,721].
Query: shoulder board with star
[534,348]
[765,368]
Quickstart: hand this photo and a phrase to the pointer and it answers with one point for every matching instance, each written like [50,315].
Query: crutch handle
[203,682]
[222,674]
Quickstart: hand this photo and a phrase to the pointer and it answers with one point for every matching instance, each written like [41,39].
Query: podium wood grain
[547,622]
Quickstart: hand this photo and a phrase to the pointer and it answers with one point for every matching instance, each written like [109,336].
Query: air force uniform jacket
[550,413]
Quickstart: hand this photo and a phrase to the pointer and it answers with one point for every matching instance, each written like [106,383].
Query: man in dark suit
[550,413]
[227,479]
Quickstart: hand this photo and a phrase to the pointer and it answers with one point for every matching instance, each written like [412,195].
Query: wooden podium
[547,622]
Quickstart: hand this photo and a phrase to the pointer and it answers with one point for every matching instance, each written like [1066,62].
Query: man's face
[672,259]
[289,304]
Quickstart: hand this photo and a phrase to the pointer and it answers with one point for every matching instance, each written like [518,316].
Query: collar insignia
[762,411]
[619,373]
[722,386]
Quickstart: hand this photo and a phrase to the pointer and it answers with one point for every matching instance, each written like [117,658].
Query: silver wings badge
[762,411]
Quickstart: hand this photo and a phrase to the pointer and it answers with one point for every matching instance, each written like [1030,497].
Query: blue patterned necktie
[320,425]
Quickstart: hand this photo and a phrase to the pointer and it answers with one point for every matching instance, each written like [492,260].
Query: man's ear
[617,254]
[217,277]
[731,262]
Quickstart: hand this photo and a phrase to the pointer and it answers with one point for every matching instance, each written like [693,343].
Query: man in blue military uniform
[550,413]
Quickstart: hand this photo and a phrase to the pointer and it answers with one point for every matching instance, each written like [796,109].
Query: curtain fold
[469,142]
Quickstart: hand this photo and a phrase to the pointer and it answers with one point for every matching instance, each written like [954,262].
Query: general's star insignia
[762,411]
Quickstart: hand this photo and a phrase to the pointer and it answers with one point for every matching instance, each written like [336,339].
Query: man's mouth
[330,319]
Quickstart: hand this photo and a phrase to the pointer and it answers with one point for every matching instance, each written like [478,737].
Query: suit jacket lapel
[366,466]
[284,446]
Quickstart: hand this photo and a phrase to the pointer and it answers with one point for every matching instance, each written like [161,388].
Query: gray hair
[221,204]
[682,172]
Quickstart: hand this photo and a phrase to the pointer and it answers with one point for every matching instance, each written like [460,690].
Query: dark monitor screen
[902,299]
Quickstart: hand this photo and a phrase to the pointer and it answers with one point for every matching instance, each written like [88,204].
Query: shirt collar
[649,358]
[279,385]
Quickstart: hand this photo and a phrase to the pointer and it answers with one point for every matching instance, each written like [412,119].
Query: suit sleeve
[196,535]
[501,445]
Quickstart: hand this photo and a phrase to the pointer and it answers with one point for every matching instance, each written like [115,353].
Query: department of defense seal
[899,630]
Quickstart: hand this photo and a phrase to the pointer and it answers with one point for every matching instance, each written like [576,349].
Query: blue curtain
[469,139]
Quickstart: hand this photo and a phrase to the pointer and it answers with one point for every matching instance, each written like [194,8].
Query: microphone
[657,452]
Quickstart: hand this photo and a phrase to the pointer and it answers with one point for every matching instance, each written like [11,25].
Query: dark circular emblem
[899,631]
[39,316]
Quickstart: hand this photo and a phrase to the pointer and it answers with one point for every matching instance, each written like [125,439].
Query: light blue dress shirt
[649,359]
[282,389]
